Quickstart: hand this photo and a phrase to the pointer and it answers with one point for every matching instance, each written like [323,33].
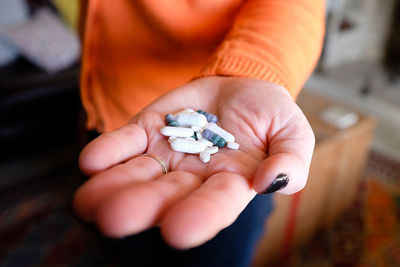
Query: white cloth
[44,40]
[11,11]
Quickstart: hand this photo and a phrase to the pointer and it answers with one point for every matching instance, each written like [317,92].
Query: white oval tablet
[206,142]
[196,128]
[212,150]
[171,138]
[187,110]
[176,131]
[191,119]
[232,145]
[205,157]
[187,145]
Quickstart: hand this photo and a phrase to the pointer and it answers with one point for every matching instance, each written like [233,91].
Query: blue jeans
[233,247]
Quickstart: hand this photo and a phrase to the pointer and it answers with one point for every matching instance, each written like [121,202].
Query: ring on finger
[164,166]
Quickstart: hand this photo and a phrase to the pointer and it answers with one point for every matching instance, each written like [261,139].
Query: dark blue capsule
[169,117]
[214,138]
[210,117]
[169,120]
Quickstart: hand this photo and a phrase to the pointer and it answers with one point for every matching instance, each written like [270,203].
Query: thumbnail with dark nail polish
[280,182]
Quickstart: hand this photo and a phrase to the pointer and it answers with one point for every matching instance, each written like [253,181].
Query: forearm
[273,40]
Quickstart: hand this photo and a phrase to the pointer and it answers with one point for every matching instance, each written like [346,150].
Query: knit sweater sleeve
[278,41]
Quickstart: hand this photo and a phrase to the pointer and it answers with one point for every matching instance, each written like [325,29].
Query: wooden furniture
[337,165]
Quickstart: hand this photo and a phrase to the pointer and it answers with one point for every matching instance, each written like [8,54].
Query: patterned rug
[39,228]
[368,234]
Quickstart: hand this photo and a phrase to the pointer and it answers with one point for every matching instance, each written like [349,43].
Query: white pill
[206,142]
[171,138]
[221,132]
[196,128]
[191,119]
[184,111]
[205,157]
[176,131]
[232,145]
[187,145]
[211,150]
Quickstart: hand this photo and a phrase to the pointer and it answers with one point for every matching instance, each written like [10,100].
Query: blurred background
[348,215]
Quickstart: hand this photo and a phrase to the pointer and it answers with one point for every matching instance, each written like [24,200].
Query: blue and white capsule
[210,117]
[221,132]
[214,138]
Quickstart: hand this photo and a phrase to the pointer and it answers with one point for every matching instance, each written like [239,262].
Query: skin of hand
[127,192]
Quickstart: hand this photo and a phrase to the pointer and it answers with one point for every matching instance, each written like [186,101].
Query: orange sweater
[136,50]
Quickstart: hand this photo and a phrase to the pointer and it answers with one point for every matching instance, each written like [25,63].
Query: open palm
[128,193]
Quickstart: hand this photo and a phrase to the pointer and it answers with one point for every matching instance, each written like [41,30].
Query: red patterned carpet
[38,227]
[368,234]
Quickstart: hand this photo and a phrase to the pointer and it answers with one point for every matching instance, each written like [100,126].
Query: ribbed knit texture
[277,41]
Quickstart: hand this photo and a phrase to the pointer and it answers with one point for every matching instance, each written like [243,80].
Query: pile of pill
[196,133]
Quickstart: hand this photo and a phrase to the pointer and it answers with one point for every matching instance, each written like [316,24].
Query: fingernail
[280,182]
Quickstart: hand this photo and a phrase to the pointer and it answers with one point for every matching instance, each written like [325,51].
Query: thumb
[289,156]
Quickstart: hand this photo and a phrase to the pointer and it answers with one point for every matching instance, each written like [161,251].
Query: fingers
[290,153]
[112,148]
[211,208]
[90,195]
[138,207]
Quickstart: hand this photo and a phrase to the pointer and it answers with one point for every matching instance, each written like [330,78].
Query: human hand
[128,193]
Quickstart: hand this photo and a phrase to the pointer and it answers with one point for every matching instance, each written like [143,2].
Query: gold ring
[160,161]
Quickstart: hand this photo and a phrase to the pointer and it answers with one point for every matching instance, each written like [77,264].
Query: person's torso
[134,51]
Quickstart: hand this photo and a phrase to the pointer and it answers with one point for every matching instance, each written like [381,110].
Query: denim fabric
[233,247]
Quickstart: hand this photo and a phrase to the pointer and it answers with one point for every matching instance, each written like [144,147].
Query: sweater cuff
[239,66]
